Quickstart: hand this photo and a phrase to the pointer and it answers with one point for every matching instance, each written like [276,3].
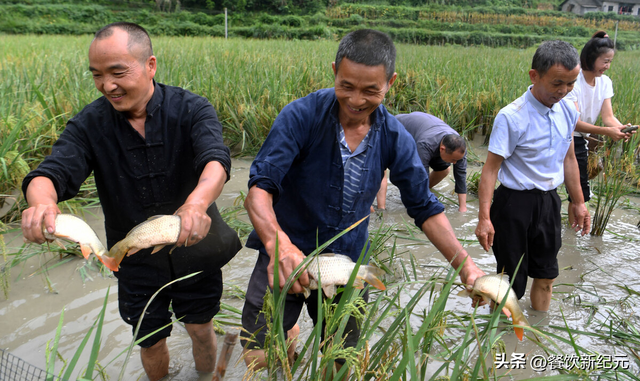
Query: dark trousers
[526,223]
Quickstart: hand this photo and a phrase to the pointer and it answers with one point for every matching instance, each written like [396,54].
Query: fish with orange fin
[156,232]
[74,229]
[333,270]
[494,287]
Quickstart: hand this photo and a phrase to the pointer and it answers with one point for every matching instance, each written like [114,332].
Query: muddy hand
[195,224]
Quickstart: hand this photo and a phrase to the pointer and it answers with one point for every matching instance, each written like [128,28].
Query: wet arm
[460,177]
[462,202]
[439,231]
[259,205]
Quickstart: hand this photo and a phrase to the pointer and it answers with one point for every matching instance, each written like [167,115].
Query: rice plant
[250,81]
[612,184]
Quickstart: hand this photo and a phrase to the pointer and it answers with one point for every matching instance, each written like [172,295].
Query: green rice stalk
[53,350]
[74,360]
[96,340]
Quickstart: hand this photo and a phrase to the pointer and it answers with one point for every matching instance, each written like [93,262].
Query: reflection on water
[593,276]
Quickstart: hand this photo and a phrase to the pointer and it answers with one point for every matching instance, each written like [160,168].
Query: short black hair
[551,53]
[368,47]
[453,143]
[598,45]
[137,36]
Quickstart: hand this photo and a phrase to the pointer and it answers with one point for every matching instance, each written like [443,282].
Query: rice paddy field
[45,80]
[419,328]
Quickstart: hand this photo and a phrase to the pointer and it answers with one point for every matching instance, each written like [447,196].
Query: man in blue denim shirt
[318,172]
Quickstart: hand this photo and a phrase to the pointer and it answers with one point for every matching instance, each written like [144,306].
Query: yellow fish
[495,287]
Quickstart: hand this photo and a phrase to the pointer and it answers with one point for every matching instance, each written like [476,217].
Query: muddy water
[597,266]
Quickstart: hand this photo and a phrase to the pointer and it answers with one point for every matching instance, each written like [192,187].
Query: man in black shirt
[153,149]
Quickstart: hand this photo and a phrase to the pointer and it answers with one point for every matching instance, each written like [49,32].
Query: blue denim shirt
[301,166]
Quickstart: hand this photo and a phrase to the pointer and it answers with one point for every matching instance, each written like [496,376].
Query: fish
[333,270]
[494,287]
[74,229]
[156,232]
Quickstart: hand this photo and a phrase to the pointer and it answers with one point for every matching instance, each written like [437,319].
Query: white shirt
[590,98]
[533,139]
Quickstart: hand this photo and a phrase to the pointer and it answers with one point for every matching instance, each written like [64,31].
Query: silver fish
[74,229]
[333,270]
[156,232]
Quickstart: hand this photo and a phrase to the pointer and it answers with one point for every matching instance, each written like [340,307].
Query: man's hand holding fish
[196,222]
[259,205]
[43,210]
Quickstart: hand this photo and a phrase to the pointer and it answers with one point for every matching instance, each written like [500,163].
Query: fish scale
[333,270]
[156,232]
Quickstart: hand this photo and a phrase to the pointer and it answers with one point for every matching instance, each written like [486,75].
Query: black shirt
[138,177]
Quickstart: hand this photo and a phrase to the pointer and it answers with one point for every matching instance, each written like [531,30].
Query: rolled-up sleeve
[68,165]
[206,135]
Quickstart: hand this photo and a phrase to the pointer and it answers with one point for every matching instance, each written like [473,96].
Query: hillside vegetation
[495,23]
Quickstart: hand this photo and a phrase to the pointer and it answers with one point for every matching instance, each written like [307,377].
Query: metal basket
[13,368]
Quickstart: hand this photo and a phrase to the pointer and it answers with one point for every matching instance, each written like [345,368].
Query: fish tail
[519,332]
[114,257]
[520,320]
[111,263]
[370,275]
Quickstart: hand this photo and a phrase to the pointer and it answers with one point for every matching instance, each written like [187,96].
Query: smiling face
[119,73]
[553,85]
[360,89]
[603,63]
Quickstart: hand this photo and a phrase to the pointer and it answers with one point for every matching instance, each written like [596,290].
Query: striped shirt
[353,163]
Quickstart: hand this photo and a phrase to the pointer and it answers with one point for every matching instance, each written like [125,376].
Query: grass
[615,181]
[407,330]
[404,338]
[45,81]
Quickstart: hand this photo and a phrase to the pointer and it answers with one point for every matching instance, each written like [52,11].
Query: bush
[269,19]
[292,21]
[318,18]
[355,19]
[203,19]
